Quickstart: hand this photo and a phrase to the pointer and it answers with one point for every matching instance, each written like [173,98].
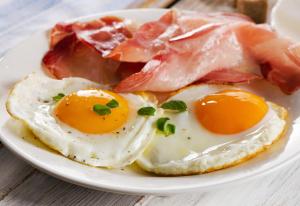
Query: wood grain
[206,5]
[280,188]
[41,189]
[13,172]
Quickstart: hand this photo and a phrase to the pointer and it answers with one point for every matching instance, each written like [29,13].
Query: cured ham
[175,51]
[77,49]
[148,40]
[152,37]
[280,58]
[211,52]
[61,30]
[221,53]
[103,34]
[72,58]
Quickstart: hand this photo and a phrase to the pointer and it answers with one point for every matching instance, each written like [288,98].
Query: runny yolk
[76,110]
[230,111]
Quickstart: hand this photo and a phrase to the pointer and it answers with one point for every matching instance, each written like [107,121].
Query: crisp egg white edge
[226,155]
[143,134]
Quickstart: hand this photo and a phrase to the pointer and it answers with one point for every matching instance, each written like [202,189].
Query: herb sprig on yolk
[230,111]
[77,111]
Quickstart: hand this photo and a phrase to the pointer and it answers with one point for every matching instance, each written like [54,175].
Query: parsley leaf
[176,105]
[58,97]
[170,129]
[160,123]
[146,111]
[101,109]
[162,126]
[112,103]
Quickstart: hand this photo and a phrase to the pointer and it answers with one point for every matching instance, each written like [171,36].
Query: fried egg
[223,126]
[61,114]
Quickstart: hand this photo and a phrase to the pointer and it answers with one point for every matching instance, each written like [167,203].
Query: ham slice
[72,58]
[148,40]
[228,76]
[152,37]
[78,49]
[103,34]
[211,52]
[106,38]
[280,57]
[172,52]
[61,30]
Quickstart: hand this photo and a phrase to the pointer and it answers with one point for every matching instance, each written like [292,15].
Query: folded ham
[175,51]
[152,37]
[149,39]
[223,52]
[279,57]
[212,52]
[77,49]
[72,58]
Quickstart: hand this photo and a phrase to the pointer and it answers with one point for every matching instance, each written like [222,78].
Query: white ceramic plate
[26,58]
[285,18]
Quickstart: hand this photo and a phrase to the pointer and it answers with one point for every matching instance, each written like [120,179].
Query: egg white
[31,101]
[193,149]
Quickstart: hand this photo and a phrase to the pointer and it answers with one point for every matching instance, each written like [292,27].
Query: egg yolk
[230,111]
[76,110]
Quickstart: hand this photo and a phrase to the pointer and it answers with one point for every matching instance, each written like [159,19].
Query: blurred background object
[285,17]
[256,9]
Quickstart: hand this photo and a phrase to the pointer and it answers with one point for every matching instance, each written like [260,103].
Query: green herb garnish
[170,129]
[58,97]
[161,122]
[175,105]
[112,103]
[101,109]
[147,111]
[162,126]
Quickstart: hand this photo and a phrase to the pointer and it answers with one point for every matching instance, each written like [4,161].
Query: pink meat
[172,52]
[72,58]
[212,52]
[148,40]
[152,37]
[78,49]
[280,57]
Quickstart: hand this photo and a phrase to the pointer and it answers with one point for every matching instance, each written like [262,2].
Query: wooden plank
[278,188]
[41,189]
[206,5]
[13,172]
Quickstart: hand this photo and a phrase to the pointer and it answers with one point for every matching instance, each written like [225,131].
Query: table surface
[21,184]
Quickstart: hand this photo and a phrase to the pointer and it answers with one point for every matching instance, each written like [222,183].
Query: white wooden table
[21,184]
